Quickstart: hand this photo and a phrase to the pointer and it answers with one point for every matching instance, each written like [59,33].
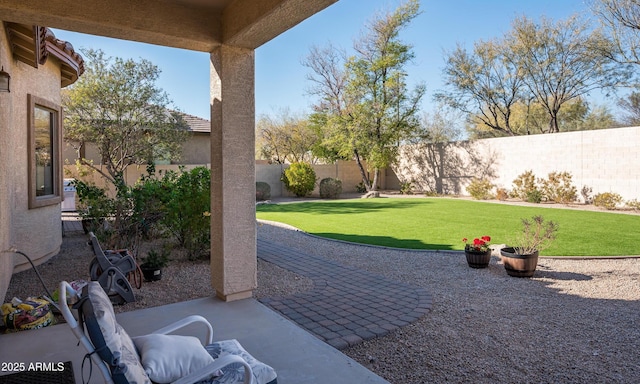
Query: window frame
[55,198]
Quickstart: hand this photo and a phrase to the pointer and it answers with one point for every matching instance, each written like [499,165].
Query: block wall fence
[606,160]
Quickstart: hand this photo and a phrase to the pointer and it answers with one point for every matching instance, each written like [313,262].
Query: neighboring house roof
[196,124]
[32,45]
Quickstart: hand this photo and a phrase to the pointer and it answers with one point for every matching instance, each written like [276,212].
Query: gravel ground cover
[575,321]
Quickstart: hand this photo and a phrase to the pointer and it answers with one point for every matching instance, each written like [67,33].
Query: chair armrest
[212,368]
[186,321]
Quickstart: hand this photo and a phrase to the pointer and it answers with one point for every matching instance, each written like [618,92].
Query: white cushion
[167,358]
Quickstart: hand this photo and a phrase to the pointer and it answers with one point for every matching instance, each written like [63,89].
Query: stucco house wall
[195,151]
[36,231]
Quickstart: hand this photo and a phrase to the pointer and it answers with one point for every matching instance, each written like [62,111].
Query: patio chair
[158,357]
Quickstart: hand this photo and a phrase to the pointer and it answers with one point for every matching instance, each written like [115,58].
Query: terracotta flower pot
[519,265]
[478,259]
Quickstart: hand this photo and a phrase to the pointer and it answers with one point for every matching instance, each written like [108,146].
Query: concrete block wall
[606,160]
[347,171]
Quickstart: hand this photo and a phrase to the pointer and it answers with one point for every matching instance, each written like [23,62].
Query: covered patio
[230,30]
[296,355]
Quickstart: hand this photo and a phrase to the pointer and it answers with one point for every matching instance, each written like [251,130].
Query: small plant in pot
[478,252]
[521,259]
[152,265]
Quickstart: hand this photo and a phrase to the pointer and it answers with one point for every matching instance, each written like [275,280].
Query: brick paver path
[346,305]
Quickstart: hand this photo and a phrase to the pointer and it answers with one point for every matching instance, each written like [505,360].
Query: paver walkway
[346,305]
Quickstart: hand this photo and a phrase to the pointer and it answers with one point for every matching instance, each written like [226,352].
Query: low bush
[586,194]
[534,196]
[299,179]
[525,187]
[188,210]
[360,188]
[633,204]
[558,188]
[502,194]
[480,189]
[330,188]
[263,191]
[607,200]
[406,188]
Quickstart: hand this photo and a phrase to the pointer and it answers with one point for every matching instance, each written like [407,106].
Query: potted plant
[478,253]
[152,265]
[521,259]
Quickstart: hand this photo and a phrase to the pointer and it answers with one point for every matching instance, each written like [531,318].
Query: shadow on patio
[297,356]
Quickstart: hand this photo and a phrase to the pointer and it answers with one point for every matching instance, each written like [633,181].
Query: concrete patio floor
[296,355]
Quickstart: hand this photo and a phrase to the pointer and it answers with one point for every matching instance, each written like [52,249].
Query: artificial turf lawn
[442,223]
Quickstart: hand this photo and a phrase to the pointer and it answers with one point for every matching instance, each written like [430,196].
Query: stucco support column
[233,225]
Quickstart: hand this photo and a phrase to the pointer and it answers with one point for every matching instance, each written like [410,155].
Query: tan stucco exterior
[228,29]
[37,231]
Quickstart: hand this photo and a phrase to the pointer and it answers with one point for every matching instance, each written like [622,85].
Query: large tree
[562,61]
[365,104]
[286,138]
[117,106]
[531,117]
[621,19]
[505,84]
[631,106]
[484,84]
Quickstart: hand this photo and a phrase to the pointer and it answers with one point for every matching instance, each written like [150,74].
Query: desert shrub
[480,189]
[558,188]
[360,188]
[406,188]
[607,200]
[525,187]
[586,194]
[502,194]
[633,204]
[93,201]
[188,210]
[534,196]
[330,188]
[299,179]
[263,191]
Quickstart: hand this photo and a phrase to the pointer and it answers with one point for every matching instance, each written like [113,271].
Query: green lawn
[437,223]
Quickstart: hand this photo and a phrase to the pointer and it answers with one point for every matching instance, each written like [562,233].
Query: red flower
[486,238]
[464,240]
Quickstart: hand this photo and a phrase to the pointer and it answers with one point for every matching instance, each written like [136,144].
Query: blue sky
[281,78]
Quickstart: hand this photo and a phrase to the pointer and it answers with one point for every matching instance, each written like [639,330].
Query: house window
[45,142]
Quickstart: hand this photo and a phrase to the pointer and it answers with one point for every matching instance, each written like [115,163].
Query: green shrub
[534,196]
[188,210]
[299,179]
[93,200]
[360,188]
[558,188]
[406,188]
[607,200]
[480,189]
[263,191]
[525,187]
[330,188]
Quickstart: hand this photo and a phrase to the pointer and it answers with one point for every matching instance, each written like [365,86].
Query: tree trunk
[363,172]
[553,124]
[374,184]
